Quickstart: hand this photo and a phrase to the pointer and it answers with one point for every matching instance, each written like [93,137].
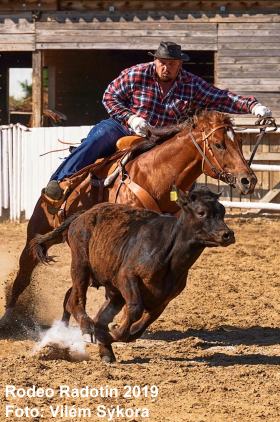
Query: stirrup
[53,190]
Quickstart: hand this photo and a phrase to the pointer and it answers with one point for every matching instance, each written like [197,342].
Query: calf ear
[192,197]
[182,197]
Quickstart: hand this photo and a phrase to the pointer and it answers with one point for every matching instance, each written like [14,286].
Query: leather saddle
[123,144]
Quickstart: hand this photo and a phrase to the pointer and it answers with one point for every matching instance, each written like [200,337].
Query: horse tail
[42,242]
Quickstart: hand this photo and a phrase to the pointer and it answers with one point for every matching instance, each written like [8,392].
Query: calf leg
[75,305]
[110,308]
[66,315]
[133,308]
[148,317]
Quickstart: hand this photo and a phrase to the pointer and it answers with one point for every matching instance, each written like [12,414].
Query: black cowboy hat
[169,50]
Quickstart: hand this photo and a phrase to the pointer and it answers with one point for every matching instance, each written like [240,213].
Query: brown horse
[205,144]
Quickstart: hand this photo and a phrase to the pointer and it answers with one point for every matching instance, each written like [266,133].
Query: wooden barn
[82,45]
[73,49]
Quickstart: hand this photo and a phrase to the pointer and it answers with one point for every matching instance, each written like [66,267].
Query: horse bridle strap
[205,137]
[203,154]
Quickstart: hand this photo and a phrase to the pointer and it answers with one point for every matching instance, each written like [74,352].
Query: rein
[265,123]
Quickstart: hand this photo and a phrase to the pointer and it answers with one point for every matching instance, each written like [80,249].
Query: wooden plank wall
[17,33]
[125,35]
[248,60]
[21,6]
[124,5]
[192,5]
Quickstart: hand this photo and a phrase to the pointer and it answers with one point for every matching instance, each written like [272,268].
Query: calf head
[202,210]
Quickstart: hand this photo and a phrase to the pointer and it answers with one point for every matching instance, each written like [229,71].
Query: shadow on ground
[222,336]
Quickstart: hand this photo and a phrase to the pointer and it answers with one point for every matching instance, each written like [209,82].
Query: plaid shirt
[137,91]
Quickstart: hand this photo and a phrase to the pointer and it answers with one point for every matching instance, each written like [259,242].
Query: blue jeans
[100,142]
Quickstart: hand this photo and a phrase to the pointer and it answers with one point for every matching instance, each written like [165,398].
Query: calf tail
[42,242]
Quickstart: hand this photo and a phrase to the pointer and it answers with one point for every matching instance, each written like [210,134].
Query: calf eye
[201,214]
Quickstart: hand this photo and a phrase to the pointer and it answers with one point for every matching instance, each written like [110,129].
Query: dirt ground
[214,354]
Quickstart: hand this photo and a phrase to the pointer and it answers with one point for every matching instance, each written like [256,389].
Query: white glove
[138,125]
[261,111]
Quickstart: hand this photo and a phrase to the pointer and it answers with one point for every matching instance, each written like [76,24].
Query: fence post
[37,89]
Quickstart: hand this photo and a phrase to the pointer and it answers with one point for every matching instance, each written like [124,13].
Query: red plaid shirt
[137,91]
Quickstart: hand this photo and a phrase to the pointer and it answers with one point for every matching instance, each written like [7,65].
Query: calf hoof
[106,353]
[89,338]
[66,318]
[114,330]
[108,359]
[113,326]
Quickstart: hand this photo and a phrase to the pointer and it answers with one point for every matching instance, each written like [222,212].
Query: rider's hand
[261,111]
[138,125]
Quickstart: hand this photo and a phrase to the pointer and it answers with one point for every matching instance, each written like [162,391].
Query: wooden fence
[24,171]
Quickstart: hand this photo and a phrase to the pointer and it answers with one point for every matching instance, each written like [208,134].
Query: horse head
[221,151]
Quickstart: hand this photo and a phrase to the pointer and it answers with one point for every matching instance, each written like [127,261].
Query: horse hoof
[89,338]
[6,318]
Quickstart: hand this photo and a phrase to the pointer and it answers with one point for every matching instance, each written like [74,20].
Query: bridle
[215,166]
[220,174]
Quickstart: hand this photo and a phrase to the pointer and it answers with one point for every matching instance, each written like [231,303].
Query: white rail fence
[24,171]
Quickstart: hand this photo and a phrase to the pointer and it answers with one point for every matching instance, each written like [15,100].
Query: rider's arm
[117,97]
[210,97]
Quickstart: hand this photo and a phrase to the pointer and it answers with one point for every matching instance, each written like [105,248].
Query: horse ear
[149,134]
[194,121]
[193,187]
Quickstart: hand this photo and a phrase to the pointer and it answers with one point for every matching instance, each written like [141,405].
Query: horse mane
[209,118]
[205,117]
[157,136]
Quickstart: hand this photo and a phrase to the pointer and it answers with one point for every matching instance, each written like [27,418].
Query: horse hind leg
[27,263]
[38,224]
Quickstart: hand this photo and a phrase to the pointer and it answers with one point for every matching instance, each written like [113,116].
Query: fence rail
[25,170]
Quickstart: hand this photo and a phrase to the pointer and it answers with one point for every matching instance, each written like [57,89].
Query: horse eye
[219,146]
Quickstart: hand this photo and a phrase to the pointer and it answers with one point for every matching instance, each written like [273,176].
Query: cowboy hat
[169,50]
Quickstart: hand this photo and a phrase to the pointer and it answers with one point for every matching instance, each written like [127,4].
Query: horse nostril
[245,181]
